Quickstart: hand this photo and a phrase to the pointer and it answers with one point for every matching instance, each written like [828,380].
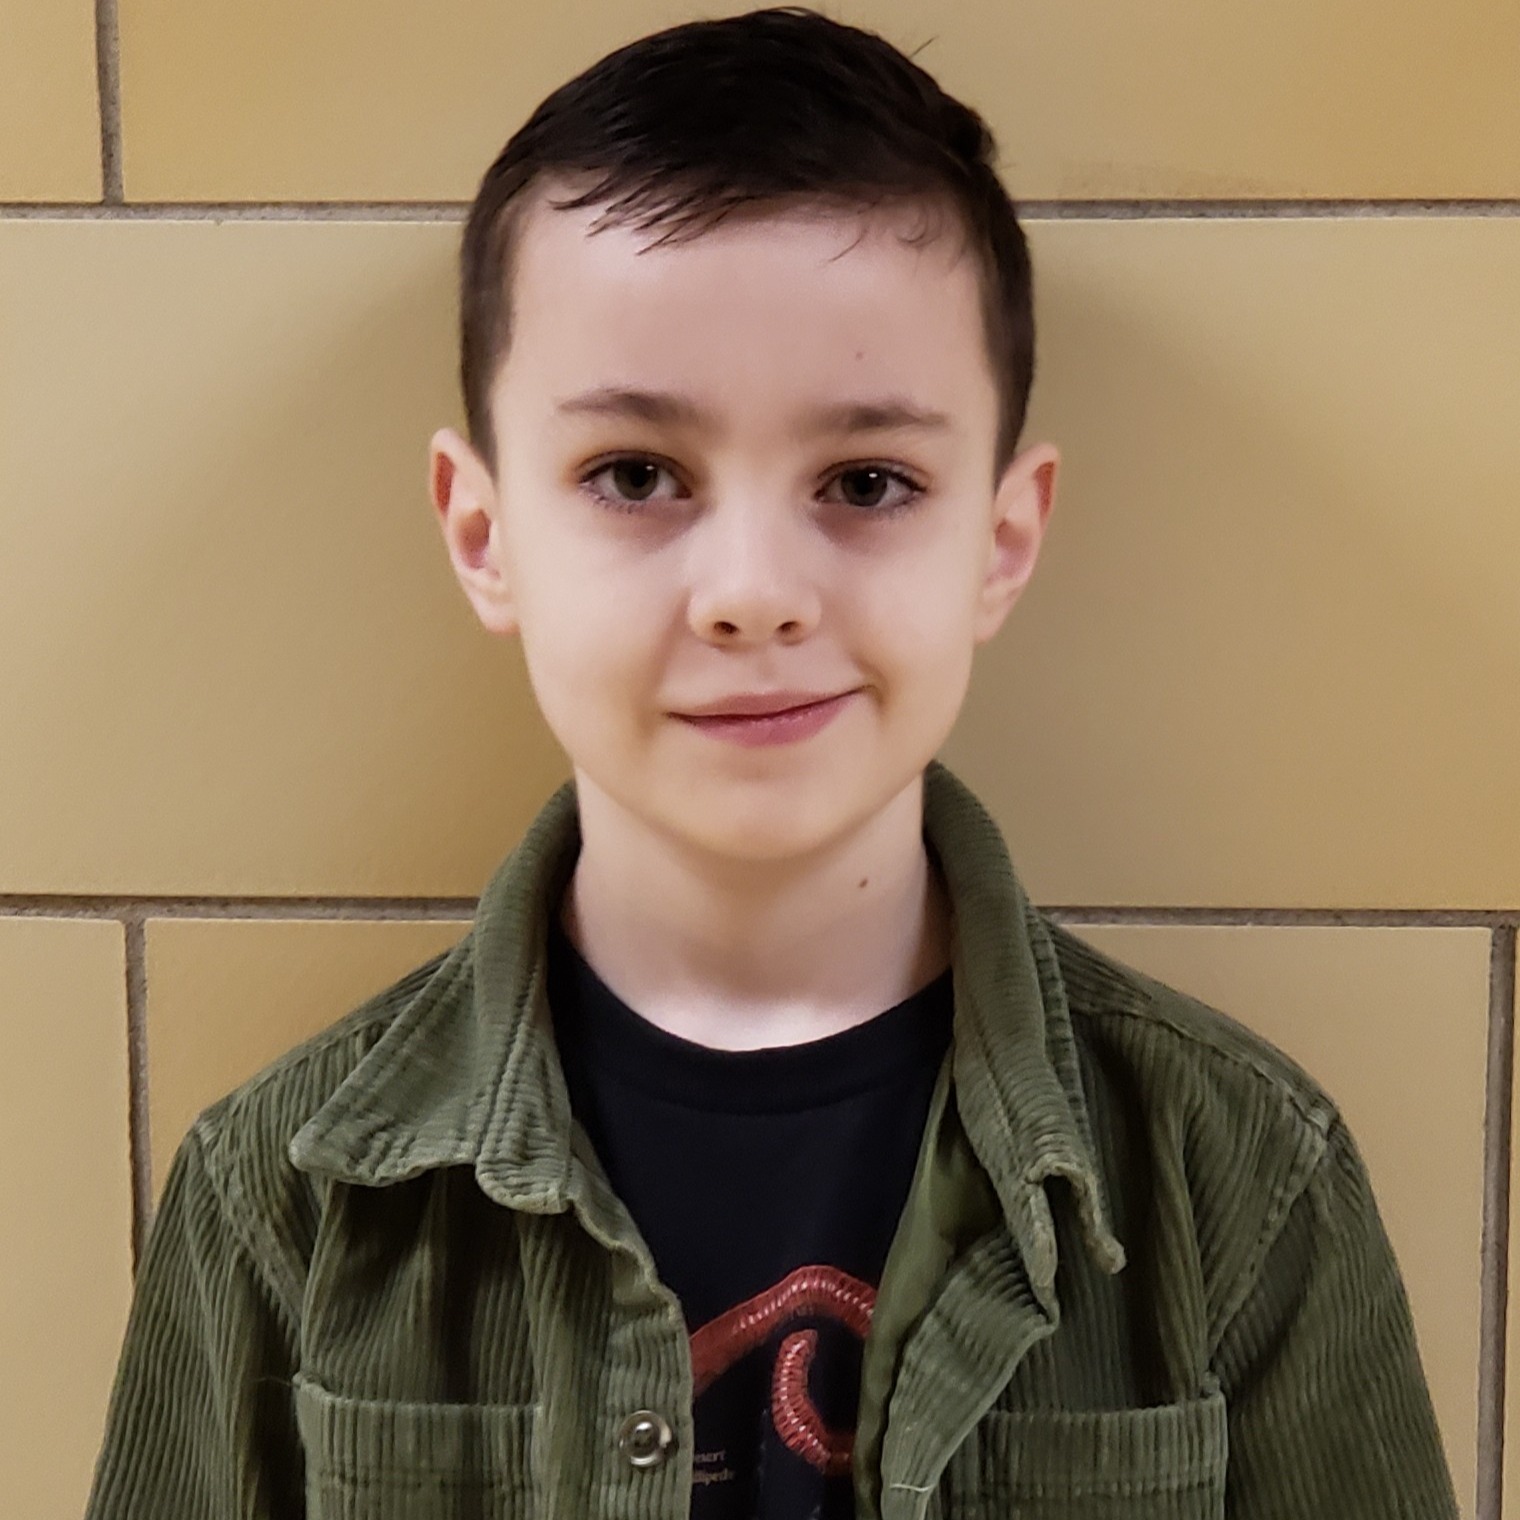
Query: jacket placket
[979,1328]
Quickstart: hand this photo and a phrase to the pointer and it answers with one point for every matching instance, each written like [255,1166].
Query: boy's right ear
[464,496]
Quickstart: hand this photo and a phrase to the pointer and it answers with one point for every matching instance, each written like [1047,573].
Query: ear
[465,498]
[1021,508]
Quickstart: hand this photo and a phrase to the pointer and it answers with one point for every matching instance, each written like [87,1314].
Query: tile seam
[108,94]
[1497,1122]
[1268,917]
[139,1138]
[236,211]
[453,211]
[1268,208]
[405,909]
[401,909]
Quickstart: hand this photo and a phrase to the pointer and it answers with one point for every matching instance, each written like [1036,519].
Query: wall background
[257,758]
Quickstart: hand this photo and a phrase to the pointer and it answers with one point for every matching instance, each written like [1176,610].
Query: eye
[870,478]
[633,470]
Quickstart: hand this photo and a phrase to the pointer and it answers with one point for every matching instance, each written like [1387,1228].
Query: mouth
[776,712]
[769,705]
[779,726]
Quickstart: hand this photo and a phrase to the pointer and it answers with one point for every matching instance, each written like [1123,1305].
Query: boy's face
[751,549]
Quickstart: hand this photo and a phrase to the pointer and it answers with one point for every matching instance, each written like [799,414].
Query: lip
[761,704]
[785,727]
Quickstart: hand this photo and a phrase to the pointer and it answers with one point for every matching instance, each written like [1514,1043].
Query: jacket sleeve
[1330,1416]
[200,1423]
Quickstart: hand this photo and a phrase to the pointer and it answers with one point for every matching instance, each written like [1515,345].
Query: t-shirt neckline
[596,1029]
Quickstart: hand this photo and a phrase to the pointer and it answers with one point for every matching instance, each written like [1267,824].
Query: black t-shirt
[768,1185]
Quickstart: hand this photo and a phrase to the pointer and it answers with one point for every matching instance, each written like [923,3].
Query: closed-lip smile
[759,704]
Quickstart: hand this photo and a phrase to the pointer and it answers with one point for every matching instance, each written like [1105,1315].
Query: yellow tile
[389,100]
[49,116]
[1393,1023]
[1193,99]
[1269,655]
[225,997]
[66,1196]
[1271,649]
[233,656]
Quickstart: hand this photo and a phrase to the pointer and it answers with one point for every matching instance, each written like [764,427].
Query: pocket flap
[368,1441]
[1114,1453]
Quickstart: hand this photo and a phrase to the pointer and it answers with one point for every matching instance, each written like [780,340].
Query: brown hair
[777,105]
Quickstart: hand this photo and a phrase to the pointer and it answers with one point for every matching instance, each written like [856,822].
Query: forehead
[773,306]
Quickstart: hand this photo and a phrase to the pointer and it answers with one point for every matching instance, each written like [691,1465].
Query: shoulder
[240,1143]
[276,1100]
[1123,1007]
[1194,1111]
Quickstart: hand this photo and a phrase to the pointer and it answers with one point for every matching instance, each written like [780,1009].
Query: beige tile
[233,656]
[1269,655]
[49,117]
[1333,99]
[388,100]
[66,1196]
[1271,651]
[226,997]
[1393,1023]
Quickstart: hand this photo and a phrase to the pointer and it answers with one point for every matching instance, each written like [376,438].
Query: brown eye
[866,484]
[638,474]
[870,483]
[633,478]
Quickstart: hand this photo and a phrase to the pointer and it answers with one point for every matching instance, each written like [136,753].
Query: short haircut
[777,106]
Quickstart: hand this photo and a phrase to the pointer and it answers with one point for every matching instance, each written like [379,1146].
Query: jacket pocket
[381,1459]
[1166,1462]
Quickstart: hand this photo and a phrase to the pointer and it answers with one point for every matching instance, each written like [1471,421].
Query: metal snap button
[645,1438]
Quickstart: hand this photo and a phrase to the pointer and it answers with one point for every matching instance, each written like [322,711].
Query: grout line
[404,909]
[138,1136]
[116,209]
[238,211]
[108,87]
[1127,210]
[1497,1122]
[1364,918]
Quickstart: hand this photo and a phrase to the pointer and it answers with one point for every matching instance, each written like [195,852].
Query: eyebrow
[886,414]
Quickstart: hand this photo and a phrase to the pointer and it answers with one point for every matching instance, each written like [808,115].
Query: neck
[738,956]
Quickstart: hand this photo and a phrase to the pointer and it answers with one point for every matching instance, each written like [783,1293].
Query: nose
[752,573]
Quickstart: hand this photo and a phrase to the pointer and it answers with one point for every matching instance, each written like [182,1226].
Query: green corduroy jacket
[1140,1273]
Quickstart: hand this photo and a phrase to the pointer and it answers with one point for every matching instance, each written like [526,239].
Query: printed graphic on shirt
[795,1350]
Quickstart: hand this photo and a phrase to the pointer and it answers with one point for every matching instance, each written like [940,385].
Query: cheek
[923,614]
[589,650]
[572,644]
[925,646]
[569,599]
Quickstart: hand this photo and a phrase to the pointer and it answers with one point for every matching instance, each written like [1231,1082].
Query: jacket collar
[467,1072]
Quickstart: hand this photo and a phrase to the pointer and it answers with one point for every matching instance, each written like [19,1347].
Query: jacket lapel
[973,1268]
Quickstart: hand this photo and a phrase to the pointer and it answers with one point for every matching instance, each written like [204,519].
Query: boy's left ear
[1020,510]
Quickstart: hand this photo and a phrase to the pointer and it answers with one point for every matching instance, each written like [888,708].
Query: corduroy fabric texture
[1141,1272]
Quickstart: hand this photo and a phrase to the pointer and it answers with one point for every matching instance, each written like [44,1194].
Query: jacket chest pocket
[1162,1463]
[381,1459]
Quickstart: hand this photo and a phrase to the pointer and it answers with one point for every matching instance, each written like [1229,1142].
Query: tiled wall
[1252,729]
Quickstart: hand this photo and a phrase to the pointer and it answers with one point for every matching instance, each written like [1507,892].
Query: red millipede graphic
[809,1290]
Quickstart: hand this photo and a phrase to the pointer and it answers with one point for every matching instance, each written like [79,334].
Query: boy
[762,1151]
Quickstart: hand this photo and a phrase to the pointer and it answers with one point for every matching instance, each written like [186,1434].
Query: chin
[760,818]
[754,847]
